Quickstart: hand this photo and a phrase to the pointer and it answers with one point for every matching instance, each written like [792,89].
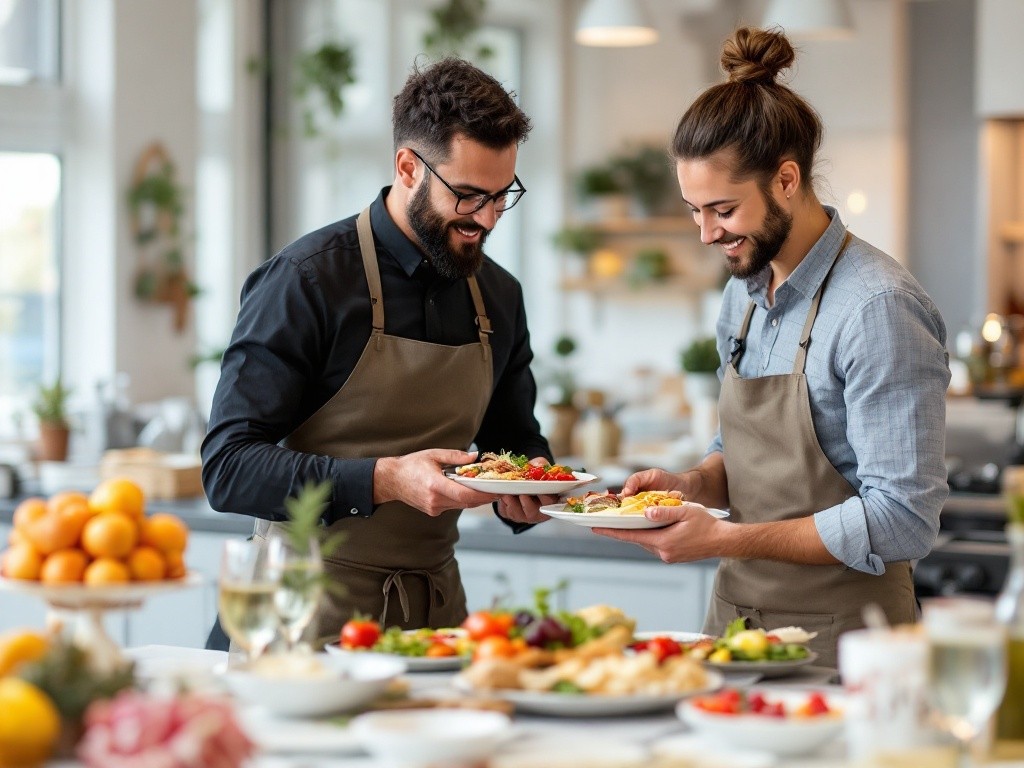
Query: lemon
[721,655]
[752,642]
[29,726]
[19,646]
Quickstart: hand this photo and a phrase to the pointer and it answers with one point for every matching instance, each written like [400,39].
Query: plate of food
[510,473]
[422,650]
[604,509]
[769,653]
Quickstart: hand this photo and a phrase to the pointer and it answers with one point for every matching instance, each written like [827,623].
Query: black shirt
[303,323]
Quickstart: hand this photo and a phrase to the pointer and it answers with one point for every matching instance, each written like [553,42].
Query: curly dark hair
[453,97]
[761,119]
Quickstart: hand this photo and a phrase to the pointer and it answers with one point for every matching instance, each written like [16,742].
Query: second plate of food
[599,520]
[524,487]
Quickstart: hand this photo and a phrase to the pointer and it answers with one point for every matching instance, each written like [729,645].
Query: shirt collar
[811,271]
[391,239]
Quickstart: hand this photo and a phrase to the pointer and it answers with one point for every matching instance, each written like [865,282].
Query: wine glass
[248,581]
[967,668]
[301,586]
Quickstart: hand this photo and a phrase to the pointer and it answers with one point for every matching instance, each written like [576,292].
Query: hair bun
[755,55]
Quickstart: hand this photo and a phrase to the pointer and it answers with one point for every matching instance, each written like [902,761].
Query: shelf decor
[156,203]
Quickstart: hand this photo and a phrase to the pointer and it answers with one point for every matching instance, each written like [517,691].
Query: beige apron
[776,470]
[403,395]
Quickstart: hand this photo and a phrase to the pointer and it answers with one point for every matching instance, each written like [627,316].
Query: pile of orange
[102,538]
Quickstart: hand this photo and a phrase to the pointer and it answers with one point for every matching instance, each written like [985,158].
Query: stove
[971,555]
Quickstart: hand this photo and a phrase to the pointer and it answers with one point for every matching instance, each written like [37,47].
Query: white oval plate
[105,596]
[597,520]
[764,668]
[524,487]
[412,663]
[591,705]
[292,735]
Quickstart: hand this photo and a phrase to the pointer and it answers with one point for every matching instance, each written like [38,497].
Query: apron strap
[800,362]
[483,323]
[369,254]
[739,342]
[394,581]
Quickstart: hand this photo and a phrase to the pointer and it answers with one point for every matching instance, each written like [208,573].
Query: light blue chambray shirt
[877,371]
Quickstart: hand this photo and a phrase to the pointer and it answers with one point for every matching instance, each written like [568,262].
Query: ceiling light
[614,24]
[817,19]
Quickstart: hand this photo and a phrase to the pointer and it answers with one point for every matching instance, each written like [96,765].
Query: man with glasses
[372,353]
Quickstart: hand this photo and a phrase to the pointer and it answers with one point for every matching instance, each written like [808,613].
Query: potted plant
[50,407]
[700,362]
[454,26]
[565,411]
[600,187]
[645,173]
[650,265]
[324,72]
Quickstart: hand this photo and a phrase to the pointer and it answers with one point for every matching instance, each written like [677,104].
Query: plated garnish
[737,645]
[513,466]
[608,503]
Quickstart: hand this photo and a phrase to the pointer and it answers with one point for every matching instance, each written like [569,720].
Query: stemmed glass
[247,585]
[301,585]
[967,670]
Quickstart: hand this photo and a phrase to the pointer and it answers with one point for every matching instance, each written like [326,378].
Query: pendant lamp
[614,24]
[810,19]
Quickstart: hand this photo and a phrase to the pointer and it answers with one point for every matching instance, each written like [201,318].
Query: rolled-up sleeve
[892,357]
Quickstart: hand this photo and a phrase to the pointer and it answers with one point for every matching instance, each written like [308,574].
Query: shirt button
[775,322]
[353,511]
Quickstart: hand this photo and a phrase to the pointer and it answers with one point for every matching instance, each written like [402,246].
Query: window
[28,41]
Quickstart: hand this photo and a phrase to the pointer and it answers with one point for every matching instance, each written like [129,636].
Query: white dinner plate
[412,663]
[598,520]
[679,637]
[99,596]
[524,487]
[764,668]
[592,705]
[297,735]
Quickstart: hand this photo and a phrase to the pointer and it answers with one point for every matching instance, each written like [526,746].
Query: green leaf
[735,626]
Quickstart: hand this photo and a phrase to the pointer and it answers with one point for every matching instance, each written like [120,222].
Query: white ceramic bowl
[431,736]
[345,683]
[787,736]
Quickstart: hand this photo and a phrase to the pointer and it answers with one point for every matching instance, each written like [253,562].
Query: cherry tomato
[756,702]
[535,473]
[359,633]
[663,647]
[481,624]
[816,705]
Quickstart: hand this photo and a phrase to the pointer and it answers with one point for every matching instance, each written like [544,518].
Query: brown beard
[434,234]
[767,242]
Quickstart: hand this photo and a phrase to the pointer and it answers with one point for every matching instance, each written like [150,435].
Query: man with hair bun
[834,372]
[375,351]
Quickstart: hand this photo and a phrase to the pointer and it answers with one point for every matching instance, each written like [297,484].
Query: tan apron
[776,470]
[403,395]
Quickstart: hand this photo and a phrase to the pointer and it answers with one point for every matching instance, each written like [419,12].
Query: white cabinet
[659,596]
[1000,58]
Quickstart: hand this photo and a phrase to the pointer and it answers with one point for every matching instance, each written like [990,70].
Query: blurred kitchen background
[152,153]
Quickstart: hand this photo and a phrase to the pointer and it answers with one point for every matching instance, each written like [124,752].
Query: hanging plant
[321,75]
[157,204]
[453,25]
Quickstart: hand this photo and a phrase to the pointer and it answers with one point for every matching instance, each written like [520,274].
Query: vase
[560,437]
[53,441]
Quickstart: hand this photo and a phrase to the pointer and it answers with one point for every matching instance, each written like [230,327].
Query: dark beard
[767,242]
[434,236]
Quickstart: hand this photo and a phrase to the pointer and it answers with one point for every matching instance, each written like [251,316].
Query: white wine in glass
[247,586]
[968,664]
[301,586]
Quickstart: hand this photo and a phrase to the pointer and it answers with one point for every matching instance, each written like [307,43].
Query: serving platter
[598,520]
[765,669]
[80,597]
[524,487]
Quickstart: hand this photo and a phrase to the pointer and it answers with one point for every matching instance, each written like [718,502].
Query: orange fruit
[106,570]
[19,646]
[28,510]
[165,532]
[64,566]
[30,726]
[119,494]
[15,537]
[175,564]
[109,535]
[147,564]
[22,561]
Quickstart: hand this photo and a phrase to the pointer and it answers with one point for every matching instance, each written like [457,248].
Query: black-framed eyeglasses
[466,204]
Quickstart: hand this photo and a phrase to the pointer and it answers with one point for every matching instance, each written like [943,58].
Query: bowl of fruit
[785,722]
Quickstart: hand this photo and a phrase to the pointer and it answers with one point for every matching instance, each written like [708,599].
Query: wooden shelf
[1012,232]
[638,227]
